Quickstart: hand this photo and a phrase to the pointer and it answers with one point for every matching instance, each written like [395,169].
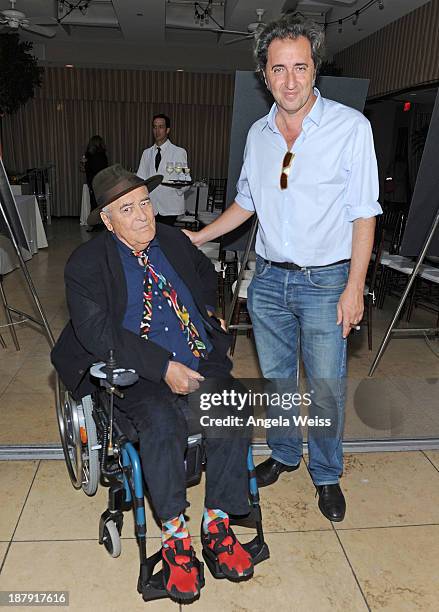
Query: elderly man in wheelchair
[142,337]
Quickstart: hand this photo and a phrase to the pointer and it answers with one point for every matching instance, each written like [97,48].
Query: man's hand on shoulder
[193,237]
[350,308]
[181,379]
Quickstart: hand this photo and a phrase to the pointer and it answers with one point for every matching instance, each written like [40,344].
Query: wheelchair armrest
[119,377]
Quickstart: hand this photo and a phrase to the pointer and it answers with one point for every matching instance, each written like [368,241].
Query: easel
[8,213]
[413,331]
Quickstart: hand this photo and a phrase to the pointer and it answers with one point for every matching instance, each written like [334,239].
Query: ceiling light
[69,66]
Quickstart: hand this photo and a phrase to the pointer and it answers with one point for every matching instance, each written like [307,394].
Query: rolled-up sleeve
[243,197]
[363,186]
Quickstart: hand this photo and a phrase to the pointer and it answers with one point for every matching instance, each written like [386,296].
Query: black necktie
[158,159]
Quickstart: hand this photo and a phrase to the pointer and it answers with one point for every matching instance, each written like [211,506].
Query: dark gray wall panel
[251,102]
[425,199]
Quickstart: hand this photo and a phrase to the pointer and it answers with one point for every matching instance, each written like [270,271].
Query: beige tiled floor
[3,549]
[390,489]
[15,482]
[433,456]
[383,556]
[307,571]
[395,567]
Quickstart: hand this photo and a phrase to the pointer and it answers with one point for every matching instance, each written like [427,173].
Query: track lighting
[202,13]
[355,15]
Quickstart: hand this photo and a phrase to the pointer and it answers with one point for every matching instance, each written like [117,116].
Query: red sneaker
[222,551]
[181,570]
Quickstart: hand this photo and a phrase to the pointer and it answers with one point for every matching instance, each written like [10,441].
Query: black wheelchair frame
[97,450]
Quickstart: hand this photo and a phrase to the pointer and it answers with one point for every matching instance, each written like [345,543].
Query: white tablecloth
[85,205]
[34,230]
[191,197]
[23,189]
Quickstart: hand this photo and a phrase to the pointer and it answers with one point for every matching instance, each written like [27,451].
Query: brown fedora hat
[113,182]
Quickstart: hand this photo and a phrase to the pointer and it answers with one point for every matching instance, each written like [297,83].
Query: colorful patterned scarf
[188,329]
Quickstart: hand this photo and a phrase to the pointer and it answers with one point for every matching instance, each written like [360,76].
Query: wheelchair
[100,448]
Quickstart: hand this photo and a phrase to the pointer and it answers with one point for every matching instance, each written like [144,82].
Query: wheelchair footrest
[150,585]
[153,589]
[258,550]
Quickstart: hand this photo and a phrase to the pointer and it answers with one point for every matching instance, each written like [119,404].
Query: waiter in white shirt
[168,202]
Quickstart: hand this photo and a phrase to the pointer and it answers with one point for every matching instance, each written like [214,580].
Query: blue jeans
[285,305]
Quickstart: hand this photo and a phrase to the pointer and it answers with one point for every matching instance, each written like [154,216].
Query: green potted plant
[19,74]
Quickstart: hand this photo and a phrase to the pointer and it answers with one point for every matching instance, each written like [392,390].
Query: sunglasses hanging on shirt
[286,165]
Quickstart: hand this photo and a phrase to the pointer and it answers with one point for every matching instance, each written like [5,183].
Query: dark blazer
[96,297]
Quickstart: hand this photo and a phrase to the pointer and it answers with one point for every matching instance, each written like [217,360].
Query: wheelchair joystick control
[111,375]
[111,363]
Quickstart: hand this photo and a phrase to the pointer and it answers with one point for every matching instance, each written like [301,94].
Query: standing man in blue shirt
[310,174]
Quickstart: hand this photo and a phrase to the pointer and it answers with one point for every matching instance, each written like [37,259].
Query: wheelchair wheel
[79,440]
[111,539]
[90,458]
[68,425]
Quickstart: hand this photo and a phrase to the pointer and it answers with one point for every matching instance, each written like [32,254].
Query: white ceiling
[142,33]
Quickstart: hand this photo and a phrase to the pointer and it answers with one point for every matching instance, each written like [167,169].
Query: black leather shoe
[269,471]
[331,502]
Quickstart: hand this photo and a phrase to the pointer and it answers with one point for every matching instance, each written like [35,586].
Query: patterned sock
[210,515]
[174,528]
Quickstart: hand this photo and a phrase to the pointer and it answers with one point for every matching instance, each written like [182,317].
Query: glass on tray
[178,168]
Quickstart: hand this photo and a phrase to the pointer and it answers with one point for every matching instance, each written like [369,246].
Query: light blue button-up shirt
[333,180]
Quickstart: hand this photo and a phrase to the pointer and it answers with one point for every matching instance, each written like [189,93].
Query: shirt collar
[314,115]
[164,146]
[126,251]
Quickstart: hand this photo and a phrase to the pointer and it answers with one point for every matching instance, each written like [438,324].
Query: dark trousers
[166,219]
[158,416]
[93,203]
